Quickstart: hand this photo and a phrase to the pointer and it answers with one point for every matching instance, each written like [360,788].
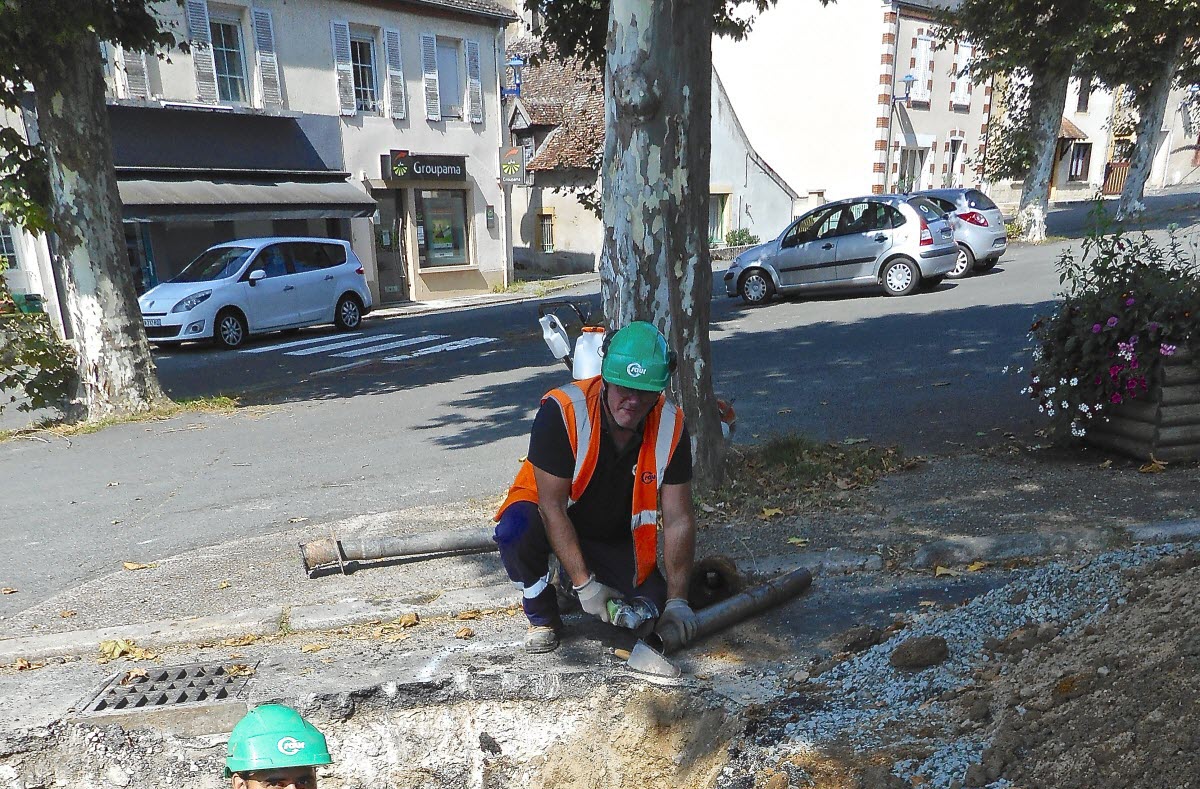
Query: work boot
[541,638]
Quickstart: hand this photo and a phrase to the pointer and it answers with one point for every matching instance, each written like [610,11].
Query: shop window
[546,232]
[230,60]
[8,248]
[450,87]
[716,219]
[442,227]
[362,59]
[1081,159]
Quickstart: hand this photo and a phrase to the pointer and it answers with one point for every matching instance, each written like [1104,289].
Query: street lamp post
[513,68]
[908,81]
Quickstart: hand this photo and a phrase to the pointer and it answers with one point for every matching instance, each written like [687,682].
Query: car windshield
[927,208]
[977,199]
[213,264]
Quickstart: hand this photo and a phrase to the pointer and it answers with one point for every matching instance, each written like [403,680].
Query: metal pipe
[334,551]
[741,606]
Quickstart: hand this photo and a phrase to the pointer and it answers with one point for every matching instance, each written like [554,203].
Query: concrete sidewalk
[519,291]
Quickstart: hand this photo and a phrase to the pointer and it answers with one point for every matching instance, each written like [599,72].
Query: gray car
[897,241]
[978,228]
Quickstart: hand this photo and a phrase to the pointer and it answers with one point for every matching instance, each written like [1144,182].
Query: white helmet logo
[635,370]
[290,746]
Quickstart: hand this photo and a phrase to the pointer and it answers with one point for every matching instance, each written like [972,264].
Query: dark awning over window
[1069,131]
[162,200]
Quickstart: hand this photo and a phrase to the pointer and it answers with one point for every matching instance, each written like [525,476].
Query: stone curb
[259,621]
[475,302]
[327,616]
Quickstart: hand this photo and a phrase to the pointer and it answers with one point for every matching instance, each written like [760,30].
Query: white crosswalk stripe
[390,346]
[343,344]
[293,344]
[446,346]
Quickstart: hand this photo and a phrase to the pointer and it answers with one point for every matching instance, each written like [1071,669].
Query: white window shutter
[132,81]
[268,60]
[962,87]
[200,36]
[920,88]
[395,74]
[474,83]
[344,68]
[429,73]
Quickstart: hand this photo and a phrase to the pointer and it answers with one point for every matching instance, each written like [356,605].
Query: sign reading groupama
[409,166]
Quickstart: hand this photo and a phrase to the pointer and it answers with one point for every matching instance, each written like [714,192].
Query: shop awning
[1069,131]
[174,200]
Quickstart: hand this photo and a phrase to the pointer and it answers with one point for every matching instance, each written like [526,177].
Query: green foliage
[579,28]
[33,361]
[36,38]
[740,237]
[1128,302]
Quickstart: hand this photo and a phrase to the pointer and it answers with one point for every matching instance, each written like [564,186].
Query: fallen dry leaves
[8,590]
[123,648]
[940,571]
[138,566]
[1155,466]
[239,670]
[133,675]
[308,649]
[240,641]
[465,632]
[464,616]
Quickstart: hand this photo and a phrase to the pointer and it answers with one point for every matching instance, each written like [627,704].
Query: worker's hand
[594,597]
[677,625]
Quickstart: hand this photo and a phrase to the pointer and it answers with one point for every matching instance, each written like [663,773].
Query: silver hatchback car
[897,241]
[978,228]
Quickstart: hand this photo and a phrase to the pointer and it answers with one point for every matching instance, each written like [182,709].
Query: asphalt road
[441,415]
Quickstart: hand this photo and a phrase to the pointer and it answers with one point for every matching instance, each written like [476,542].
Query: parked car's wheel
[987,264]
[965,263]
[348,313]
[900,277]
[756,287]
[229,329]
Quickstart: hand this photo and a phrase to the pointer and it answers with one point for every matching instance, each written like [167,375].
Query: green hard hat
[637,357]
[271,737]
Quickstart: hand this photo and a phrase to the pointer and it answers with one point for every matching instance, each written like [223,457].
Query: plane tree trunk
[655,262]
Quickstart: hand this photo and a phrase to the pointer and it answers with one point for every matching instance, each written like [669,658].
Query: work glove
[594,597]
[677,625]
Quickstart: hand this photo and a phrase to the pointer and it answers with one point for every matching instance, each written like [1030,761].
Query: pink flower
[1097,381]
[1167,350]
[1112,321]
[1129,302]
[1133,363]
[1115,370]
[1116,398]
[1131,384]
[1096,328]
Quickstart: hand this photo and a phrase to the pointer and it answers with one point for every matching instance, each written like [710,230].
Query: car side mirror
[255,276]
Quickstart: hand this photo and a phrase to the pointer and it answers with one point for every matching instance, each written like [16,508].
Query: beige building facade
[822,92]
[375,121]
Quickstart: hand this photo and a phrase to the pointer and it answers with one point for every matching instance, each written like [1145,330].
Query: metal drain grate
[169,686]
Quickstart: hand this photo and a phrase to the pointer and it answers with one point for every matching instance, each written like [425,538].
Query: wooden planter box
[1164,422]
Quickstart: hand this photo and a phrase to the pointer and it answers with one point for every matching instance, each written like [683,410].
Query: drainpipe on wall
[500,56]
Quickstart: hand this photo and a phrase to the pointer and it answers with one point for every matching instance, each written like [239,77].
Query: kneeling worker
[274,748]
[603,453]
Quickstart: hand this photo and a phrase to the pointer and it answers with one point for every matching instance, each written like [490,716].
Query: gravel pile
[933,727]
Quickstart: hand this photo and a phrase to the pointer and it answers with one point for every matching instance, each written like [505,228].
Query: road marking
[342,344]
[446,346]
[343,368]
[390,346]
[292,344]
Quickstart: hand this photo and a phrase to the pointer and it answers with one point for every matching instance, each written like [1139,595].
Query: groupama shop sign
[409,166]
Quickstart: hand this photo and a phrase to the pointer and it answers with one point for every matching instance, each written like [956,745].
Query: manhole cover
[169,686]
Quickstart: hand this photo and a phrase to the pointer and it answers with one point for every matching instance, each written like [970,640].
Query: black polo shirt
[604,510]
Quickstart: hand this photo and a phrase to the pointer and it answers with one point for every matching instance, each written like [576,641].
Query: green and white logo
[400,169]
[635,370]
[290,746]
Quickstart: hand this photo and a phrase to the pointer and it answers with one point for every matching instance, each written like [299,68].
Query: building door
[389,246]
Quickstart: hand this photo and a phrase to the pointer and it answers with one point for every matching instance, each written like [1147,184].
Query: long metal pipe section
[333,551]
[754,600]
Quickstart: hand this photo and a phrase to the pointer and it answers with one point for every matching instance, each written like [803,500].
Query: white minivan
[258,285]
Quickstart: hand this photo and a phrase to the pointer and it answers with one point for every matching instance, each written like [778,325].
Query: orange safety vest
[579,402]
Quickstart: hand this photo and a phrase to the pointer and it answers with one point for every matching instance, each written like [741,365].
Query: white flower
[1084,408]
[1021,370]
[1004,370]
[1065,405]
[1051,390]
[1037,379]
[1041,409]
[1074,382]
[1099,406]
[1062,381]
[1050,412]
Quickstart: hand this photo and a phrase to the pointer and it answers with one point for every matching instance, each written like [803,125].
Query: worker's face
[286,778]
[629,407]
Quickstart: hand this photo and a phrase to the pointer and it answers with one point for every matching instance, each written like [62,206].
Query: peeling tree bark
[1047,97]
[116,371]
[1151,106]
[655,264]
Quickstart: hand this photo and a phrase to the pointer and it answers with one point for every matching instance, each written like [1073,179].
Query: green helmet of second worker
[273,747]
[637,357]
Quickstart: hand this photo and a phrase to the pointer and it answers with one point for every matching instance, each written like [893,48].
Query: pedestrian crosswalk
[339,346]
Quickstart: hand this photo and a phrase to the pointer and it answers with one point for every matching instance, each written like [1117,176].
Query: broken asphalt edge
[328,616]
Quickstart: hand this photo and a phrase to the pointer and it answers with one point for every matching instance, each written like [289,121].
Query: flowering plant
[1128,303]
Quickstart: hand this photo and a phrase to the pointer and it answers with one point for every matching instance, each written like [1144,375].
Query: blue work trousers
[525,551]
